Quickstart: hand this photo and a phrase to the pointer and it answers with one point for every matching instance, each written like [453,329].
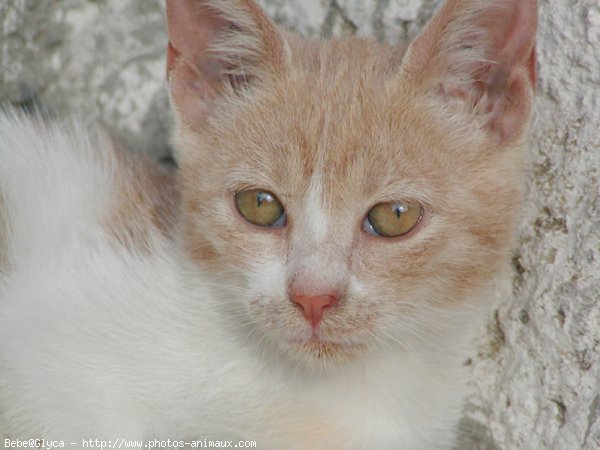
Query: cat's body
[131,308]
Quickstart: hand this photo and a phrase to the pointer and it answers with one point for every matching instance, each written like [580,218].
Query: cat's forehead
[338,119]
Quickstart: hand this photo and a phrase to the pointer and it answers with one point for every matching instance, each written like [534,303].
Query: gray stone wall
[536,374]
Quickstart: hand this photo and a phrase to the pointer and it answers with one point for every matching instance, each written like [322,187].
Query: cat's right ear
[477,58]
[217,47]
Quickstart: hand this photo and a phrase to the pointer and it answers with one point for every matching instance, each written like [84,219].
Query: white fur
[318,224]
[100,341]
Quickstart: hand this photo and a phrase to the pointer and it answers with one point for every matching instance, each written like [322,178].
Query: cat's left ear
[217,47]
[478,57]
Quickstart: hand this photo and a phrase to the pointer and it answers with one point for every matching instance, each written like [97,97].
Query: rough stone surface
[537,370]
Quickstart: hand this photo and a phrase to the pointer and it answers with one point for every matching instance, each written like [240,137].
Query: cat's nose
[314,305]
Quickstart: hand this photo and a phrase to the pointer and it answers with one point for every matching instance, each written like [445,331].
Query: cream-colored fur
[141,305]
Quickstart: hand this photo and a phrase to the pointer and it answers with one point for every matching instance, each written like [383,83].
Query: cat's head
[351,195]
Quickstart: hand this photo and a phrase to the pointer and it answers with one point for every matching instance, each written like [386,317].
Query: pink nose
[314,305]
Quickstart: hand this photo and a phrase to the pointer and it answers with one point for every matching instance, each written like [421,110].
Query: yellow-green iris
[260,207]
[393,219]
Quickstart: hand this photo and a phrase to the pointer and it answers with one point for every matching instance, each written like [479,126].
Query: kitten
[308,277]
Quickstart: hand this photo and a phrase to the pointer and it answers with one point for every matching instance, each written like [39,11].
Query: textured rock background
[537,370]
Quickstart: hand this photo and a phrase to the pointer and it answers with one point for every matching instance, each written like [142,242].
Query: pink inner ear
[506,90]
[519,48]
[193,28]
[507,38]
[194,72]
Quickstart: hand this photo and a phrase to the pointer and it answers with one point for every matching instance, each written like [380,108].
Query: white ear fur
[216,47]
[479,56]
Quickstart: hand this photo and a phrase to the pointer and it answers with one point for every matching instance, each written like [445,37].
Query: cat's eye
[261,208]
[392,219]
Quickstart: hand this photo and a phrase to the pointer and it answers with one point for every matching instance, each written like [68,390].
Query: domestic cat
[308,276]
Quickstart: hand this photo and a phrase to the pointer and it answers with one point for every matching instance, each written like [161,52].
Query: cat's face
[343,131]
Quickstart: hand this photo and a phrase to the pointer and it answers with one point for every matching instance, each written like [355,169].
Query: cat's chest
[347,413]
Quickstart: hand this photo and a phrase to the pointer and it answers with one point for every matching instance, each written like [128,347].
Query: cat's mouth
[321,348]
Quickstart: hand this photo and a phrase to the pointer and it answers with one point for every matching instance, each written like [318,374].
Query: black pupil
[262,197]
[399,210]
